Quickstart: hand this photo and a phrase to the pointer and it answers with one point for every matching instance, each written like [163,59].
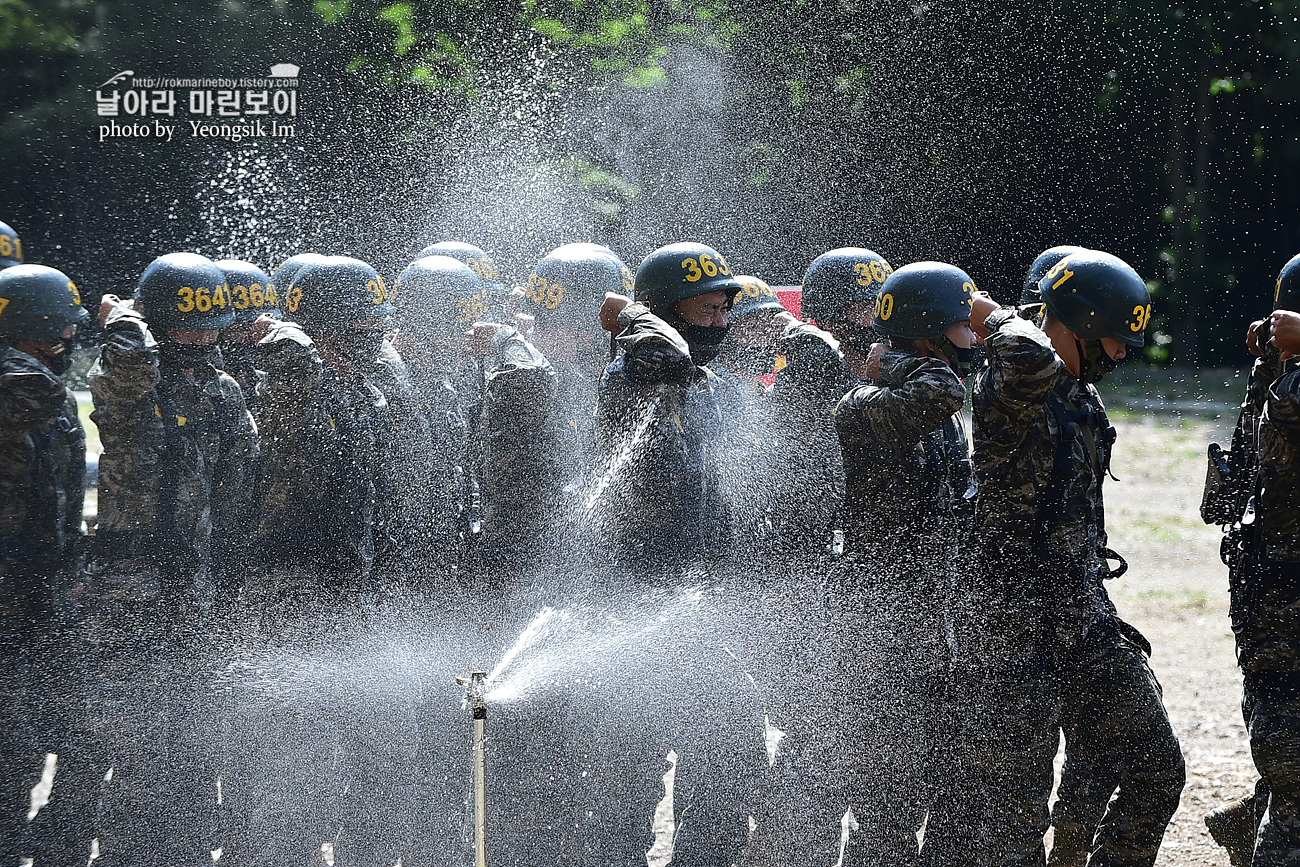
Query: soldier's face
[189,337]
[709,309]
[1116,349]
[961,335]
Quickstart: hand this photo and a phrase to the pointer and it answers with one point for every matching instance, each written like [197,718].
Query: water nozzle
[475,689]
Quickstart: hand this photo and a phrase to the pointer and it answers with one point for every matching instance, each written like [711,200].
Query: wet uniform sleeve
[233,487]
[1279,454]
[520,388]
[1022,370]
[812,359]
[289,416]
[127,368]
[29,395]
[916,396]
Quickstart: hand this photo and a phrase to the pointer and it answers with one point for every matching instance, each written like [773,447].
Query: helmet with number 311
[1096,295]
[680,271]
[185,291]
[334,294]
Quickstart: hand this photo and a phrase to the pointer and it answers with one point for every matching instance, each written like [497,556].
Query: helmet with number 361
[251,291]
[680,271]
[11,249]
[185,291]
[1096,295]
[332,295]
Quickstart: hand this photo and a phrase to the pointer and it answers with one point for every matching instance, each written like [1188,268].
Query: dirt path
[1176,593]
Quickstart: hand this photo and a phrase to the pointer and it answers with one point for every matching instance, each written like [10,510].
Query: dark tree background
[1167,133]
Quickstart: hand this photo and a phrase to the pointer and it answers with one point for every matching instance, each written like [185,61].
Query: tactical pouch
[1217,499]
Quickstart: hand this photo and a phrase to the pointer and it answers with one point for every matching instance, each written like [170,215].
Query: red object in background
[790,296]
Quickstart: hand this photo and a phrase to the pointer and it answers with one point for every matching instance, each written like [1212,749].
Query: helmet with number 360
[1096,295]
[11,248]
[332,295]
[185,291]
[840,278]
[680,271]
[251,291]
[569,283]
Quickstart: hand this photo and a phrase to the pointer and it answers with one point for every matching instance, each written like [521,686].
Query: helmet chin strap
[1094,361]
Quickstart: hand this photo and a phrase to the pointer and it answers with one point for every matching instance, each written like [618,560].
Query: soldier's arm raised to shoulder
[127,368]
[1022,365]
[916,395]
[292,364]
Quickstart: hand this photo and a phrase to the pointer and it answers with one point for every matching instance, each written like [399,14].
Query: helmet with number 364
[332,295]
[185,291]
[1096,295]
[680,271]
[251,291]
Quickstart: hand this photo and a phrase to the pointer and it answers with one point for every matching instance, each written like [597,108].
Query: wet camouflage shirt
[905,459]
[1039,481]
[1278,506]
[179,447]
[42,463]
[657,493]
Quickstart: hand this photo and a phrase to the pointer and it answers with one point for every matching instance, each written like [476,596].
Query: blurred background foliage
[928,129]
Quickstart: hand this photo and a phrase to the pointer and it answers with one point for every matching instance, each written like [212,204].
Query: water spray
[475,691]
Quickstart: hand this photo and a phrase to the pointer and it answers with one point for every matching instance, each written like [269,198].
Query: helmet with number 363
[1096,295]
[185,291]
[840,278]
[332,295]
[251,291]
[680,271]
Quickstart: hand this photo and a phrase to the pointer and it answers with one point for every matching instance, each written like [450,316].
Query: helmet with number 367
[332,295]
[185,291]
[251,291]
[680,271]
[1096,295]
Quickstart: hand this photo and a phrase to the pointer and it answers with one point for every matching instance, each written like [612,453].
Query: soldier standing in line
[906,460]
[42,487]
[1047,650]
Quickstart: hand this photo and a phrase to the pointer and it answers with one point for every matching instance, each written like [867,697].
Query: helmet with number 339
[332,295]
[569,283]
[680,271]
[251,291]
[185,291]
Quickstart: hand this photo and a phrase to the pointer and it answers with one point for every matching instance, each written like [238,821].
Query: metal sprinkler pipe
[475,690]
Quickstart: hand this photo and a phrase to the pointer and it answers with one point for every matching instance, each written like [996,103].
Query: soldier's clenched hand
[654,364]
[106,306]
[1284,326]
[609,310]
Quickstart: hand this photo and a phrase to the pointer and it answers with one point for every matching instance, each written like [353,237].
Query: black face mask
[1094,363]
[704,341]
[856,337]
[239,356]
[58,356]
[963,361]
[188,354]
[362,344]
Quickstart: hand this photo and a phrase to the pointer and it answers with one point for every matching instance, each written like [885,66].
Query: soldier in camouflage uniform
[42,486]
[1046,648]
[251,294]
[908,472]
[179,443]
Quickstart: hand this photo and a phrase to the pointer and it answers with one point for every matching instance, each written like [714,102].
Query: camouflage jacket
[42,465]
[516,446]
[657,495]
[1042,449]
[418,488]
[321,438]
[179,450]
[906,461]
[1277,493]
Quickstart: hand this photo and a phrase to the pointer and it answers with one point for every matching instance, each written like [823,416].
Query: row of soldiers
[314,431]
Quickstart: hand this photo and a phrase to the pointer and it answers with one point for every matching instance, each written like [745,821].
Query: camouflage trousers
[1265,614]
[1021,682]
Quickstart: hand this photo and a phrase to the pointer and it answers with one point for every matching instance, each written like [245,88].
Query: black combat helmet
[11,248]
[330,296]
[680,271]
[478,261]
[921,301]
[839,278]
[441,294]
[754,295]
[289,269]
[569,283]
[251,291]
[1029,293]
[1096,295]
[38,303]
[1287,294]
[185,291]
